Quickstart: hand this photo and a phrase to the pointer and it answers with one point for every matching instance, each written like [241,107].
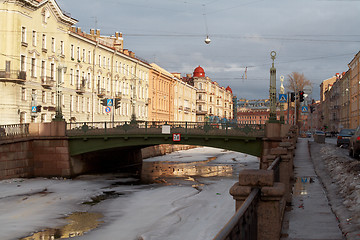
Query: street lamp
[59,116]
[272,90]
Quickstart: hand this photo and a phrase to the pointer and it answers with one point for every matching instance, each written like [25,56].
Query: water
[160,173]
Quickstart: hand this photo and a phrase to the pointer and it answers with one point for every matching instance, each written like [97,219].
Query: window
[33,67]
[78,53]
[71,76]
[72,51]
[23,94]
[89,57]
[22,63]
[104,62]
[53,98]
[71,103]
[23,34]
[34,38]
[84,55]
[43,72]
[43,41]
[43,96]
[109,63]
[89,80]
[52,71]
[53,44]
[62,47]
[99,60]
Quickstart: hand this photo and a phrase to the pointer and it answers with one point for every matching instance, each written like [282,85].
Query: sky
[315,37]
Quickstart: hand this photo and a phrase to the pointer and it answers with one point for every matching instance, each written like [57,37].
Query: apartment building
[354,81]
[161,94]
[184,100]
[42,55]
[213,102]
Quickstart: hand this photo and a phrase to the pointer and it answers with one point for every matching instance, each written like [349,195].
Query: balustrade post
[186,127]
[105,127]
[271,206]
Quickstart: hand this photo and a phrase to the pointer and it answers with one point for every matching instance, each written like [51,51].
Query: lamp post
[272,90]
[59,116]
[282,91]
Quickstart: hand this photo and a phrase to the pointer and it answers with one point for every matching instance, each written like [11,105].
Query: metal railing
[156,127]
[275,166]
[243,225]
[14,130]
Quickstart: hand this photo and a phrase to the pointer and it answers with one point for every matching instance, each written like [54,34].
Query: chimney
[126,52]
[189,75]
[92,32]
[79,30]
[117,34]
[131,54]
[97,32]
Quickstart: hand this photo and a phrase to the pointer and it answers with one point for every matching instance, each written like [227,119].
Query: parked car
[344,136]
[308,134]
[354,145]
[318,132]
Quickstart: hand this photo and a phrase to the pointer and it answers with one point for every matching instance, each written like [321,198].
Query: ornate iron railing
[243,225]
[14,130]
[157,127]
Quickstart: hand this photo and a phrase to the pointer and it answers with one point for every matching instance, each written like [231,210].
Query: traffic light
[38,108]
[104,102]
[117,103]
[301,96]
[292,96]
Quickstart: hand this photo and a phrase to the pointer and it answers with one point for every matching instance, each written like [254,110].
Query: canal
[183,195]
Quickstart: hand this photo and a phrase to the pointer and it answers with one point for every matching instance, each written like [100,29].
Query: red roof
[229,89]
[199,72]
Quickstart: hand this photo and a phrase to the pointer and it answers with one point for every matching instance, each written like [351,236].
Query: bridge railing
[157,127]
[14,130]
[243,224]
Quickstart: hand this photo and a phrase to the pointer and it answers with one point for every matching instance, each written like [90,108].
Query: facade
[42,53]
[161,94]
[184,100]
[213,102]
[354,81]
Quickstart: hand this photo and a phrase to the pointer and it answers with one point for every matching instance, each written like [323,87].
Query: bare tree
[297,81]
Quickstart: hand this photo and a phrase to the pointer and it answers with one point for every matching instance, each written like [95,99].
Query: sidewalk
[310,217]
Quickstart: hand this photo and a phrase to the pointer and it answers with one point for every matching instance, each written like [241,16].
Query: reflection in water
[158,171]
[79,224]
[302,184]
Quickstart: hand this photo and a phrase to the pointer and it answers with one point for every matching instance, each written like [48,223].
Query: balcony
[201,112]
[80,86]
[201,91]
[187,109]
[101,92]
[118,95]
[47,82]
[200,100]
[13,76]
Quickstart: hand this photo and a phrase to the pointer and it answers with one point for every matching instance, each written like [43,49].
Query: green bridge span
[98,136]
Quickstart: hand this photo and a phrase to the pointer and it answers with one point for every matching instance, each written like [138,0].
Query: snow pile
[342,184]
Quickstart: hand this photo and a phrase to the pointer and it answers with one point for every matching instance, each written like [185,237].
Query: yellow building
[41,53]
[184,100]
[212,100]
[161,94]
[354,81]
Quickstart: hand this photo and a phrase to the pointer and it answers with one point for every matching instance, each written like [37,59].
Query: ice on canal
[188,198]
